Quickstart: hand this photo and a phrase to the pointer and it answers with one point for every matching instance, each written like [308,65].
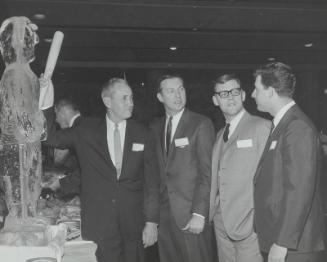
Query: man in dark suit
[119,183]
[65,160]
[184,142]
[289,218]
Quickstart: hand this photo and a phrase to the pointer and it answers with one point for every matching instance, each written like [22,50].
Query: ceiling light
[271,59]
[308,44]
[195,29]
[173,48]
[39,16]
[325,91]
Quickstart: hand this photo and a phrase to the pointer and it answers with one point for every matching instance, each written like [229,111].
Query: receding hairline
[163,78]
[110,86]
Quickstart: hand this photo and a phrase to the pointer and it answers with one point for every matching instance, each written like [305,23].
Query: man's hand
[150,234]
[277,253]
[53,183]
[46,98]
[195,225]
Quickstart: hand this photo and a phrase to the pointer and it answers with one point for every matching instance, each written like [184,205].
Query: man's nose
[130,102]
[253,93]
[178,94]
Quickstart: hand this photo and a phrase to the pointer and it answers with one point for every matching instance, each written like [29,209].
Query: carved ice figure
[22,124]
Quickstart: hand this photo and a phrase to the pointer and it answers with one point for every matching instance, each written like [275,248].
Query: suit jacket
[287,201]
[133,198]
[233,167]
[186,171]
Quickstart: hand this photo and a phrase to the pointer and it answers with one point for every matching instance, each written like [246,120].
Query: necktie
[118,150]
[226,132]
[168,134]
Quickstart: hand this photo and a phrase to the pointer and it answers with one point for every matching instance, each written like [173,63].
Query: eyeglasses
[233,92]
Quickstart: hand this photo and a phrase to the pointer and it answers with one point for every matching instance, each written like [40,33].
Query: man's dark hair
[225,78]
[65,102]
[165,77]
[279,76]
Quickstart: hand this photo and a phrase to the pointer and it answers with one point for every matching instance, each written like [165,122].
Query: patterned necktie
[226,132]
[168,134]
[118,150]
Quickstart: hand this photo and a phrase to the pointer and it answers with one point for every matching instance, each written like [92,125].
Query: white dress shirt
[110,136]
[234,122]
[174,124]
[71,121]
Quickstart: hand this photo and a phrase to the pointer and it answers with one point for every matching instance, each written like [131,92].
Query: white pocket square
[137,147]
[244,143]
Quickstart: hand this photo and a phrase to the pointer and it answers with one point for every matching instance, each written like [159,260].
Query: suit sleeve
[299,175]
[204,144]
[71,183]
[151,180]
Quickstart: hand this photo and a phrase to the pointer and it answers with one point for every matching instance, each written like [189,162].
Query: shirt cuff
[151,223]
[195,214]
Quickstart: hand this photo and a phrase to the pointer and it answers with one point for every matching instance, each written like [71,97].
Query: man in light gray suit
[236,154]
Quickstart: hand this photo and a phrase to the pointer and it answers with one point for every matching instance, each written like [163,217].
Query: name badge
[273,145]
[244,143]
[181,142]
[137,147]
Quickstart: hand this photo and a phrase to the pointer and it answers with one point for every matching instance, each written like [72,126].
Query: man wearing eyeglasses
[236,154]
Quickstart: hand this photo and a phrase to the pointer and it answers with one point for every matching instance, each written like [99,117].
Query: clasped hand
[195,225]
[150,234]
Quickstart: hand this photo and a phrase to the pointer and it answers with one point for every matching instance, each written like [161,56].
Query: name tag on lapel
[244,143]
[273,145]
[181,142]
[137,147]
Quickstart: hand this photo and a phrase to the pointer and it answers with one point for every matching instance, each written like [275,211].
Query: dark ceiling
[208,34]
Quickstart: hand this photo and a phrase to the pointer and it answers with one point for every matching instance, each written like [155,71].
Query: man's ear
[215,100]
[159,96]
[272,91]
[243,95]
[107,101]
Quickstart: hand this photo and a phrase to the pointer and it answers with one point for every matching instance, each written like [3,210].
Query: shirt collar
[282,112]
[234,122]
[112,124]
[176,117]
[71,122]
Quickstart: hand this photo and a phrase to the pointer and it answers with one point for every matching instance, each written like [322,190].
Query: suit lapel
[216,154]
[274,136]
[237,131]
[180,130]
[127,144]
[102,142]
